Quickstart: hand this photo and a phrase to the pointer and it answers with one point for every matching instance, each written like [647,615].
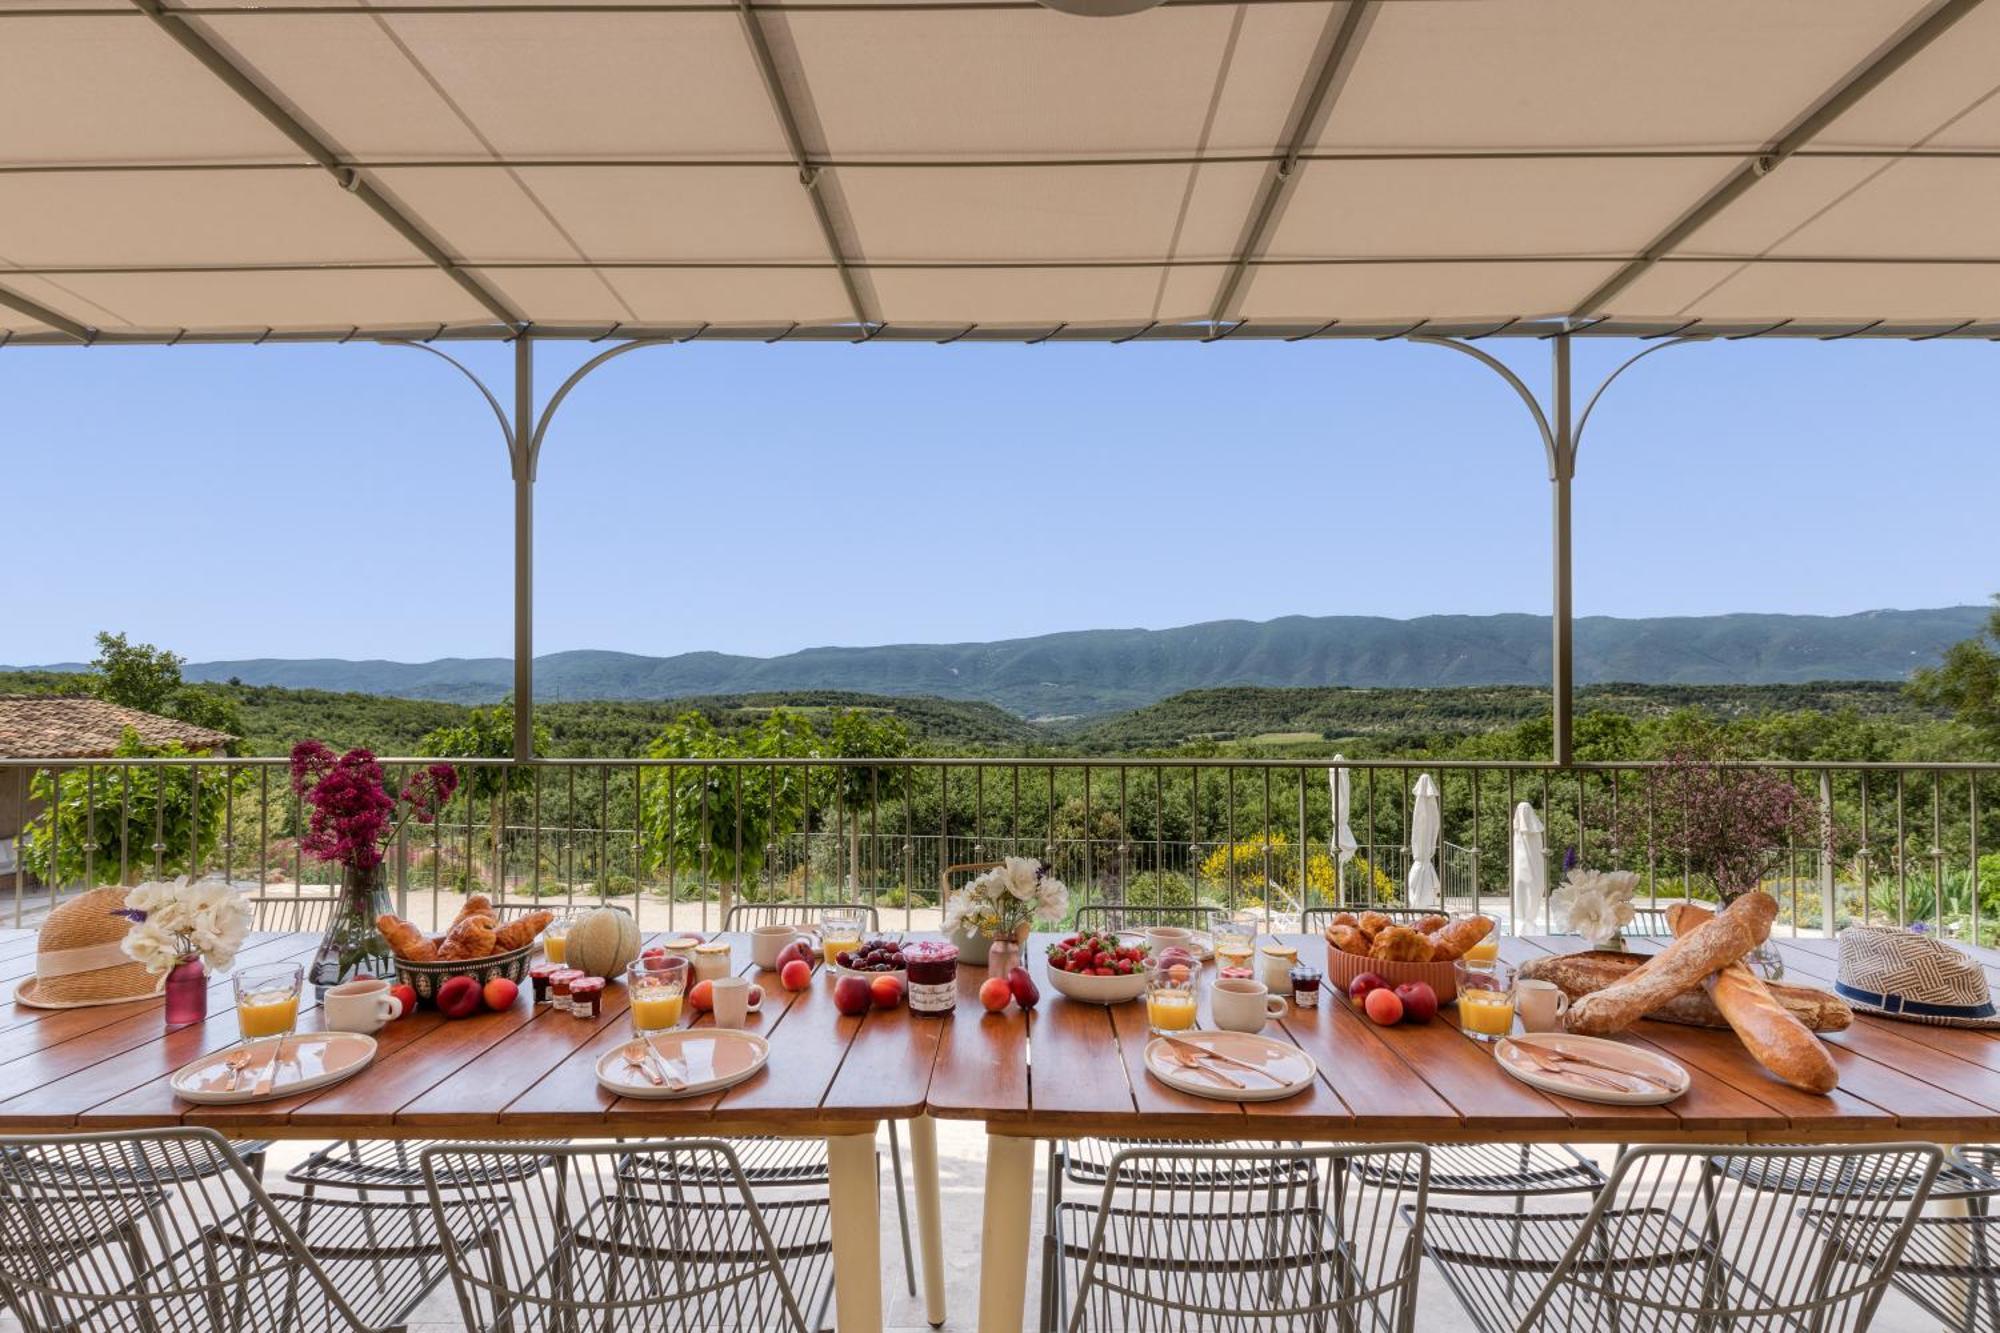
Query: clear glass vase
[352,945]
[187,992]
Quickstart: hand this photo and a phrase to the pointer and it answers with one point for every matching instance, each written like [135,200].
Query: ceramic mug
[1541,1005]
[767,942]
[1166,937]
[361,1005]
[735,999]
[1243,1004]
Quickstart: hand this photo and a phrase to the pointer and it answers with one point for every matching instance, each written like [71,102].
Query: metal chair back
[679,1243]
[291,914]
[1120,916]
[153,1229]
[1153,1253]
[1677,1240]
[743,916]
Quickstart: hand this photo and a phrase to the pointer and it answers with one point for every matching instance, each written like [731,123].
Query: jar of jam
[586,997]
[560,982]
[1274,967]
[933,973]
[711,961]
[538,977]
[1305,987]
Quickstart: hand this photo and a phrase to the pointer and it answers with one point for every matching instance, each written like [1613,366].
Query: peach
[995,994]
[796,974]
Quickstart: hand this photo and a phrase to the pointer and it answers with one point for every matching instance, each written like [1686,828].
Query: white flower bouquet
[173,921]
[1013,894]
[1596,904]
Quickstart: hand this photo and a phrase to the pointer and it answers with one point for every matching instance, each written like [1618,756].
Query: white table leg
[1003,1239]
[930,1224]
[857,1233]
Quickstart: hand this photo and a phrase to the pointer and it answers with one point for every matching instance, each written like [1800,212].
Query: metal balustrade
[680,841]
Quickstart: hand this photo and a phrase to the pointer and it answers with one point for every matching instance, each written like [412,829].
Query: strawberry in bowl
[1098,969]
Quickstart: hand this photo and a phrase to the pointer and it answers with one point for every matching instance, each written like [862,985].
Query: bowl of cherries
[879,955]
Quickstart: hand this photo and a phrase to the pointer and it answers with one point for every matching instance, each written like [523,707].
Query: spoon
[238,1060]
[639,1056]
[1541,1060]
[1187,1059]
[1565,1058]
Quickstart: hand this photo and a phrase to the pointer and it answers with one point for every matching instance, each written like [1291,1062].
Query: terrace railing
[677,841]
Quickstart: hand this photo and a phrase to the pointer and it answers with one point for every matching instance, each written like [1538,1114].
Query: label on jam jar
[933,973]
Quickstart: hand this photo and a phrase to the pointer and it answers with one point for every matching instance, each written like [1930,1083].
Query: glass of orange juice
[839,933]
[267,1000]
[555,941]
[1485,999]
[656,987]
[1173,995]
[1488,947]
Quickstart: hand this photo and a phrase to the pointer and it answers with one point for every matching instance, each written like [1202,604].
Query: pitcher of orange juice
[1485,999]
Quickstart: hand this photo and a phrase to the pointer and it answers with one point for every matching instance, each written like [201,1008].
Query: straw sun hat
[1908,974]
[78,961]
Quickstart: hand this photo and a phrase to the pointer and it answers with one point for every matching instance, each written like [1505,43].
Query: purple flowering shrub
[1734,825]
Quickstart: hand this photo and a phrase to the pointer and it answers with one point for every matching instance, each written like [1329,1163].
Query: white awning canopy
[989,169]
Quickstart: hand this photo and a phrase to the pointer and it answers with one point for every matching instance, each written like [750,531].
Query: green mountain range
[1090,673]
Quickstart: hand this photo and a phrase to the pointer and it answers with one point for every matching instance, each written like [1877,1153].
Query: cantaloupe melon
[602,942]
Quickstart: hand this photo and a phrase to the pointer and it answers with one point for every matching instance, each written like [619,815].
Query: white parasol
[1425,820]
[1529,868]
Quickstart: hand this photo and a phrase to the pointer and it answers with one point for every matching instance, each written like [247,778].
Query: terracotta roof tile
[77,727]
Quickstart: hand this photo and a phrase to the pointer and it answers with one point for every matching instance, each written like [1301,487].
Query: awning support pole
[524,458]
[1562,471]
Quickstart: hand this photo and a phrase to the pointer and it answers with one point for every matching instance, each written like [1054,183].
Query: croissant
[1347,939]
[469,937]
[521,931]
[1431,924]
[1400,944]
[1344,919]
[1450,942]
[1374,923]
[477,905]
[409,943]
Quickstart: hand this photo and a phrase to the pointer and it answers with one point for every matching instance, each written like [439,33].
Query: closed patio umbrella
[1344,845]
[1528,868]
[1425,820]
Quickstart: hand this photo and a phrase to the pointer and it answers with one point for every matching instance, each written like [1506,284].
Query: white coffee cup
[1243,1004]
[733,1000]
[1167,937]
[361,1005]
[767,942]
[1541,1005]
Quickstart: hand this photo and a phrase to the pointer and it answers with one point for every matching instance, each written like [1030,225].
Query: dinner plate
[1288,1070]
[711,1059]
[1200,943]
[1578,1082]
[309,1060]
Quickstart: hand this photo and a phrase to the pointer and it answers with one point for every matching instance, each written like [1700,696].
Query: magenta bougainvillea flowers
[352,815]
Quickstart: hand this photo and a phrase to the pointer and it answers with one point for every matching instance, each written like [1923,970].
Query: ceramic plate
[709,1058]
[1582,1081]
[1287,1069]
[1201,944]
[309,1060]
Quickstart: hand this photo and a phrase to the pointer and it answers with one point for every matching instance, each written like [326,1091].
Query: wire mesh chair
[1676,1240]
[1108,918]
[1163,1257]
[683,1245]
[200,1246]
[291,914]
[802,1162]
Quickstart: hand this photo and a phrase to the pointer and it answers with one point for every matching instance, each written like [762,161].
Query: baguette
[1578,974]
[1678,968]
[1779,1041]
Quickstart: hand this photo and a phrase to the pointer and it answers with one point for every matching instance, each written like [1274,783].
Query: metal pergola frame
[1341,44]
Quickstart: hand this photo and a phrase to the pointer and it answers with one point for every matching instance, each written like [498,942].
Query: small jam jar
[560,982]
[538,977]
[1305,987]
[933,971]
[586,997]
[711,960]
[1274,967]
[681,946]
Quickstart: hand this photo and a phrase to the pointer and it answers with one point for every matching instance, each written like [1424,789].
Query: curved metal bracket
[576,377]
[1576,439]
[1500,368]
[499,413]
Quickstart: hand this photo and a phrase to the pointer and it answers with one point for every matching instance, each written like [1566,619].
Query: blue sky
[353,501]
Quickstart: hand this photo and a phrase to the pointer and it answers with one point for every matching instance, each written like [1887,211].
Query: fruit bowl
[1097,990]
[425,978]
[1342,968]
[889,944]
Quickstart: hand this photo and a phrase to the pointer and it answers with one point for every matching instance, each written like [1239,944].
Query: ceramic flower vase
[975,947]
[187,992]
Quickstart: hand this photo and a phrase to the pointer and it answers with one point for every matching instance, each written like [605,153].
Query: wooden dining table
[1061,1070]
[1077,1069]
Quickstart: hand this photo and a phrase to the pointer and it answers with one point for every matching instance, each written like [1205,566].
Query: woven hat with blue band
[1895,973]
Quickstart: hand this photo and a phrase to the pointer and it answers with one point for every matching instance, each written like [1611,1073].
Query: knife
[1207,1054]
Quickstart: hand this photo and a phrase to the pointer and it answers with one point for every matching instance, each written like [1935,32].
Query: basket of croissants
[1422,949]
[475,945]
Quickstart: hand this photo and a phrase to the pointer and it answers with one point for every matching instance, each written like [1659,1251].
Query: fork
[1187,1059]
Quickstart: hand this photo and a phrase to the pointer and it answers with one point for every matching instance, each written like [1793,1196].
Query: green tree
[715,819]
[165,820]
[1968,680]
[487,733]
[141,676]
[858,734]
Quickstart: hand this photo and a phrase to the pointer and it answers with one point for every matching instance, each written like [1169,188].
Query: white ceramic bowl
[1097,990]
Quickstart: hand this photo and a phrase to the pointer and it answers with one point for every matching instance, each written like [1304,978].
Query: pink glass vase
[187,992]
